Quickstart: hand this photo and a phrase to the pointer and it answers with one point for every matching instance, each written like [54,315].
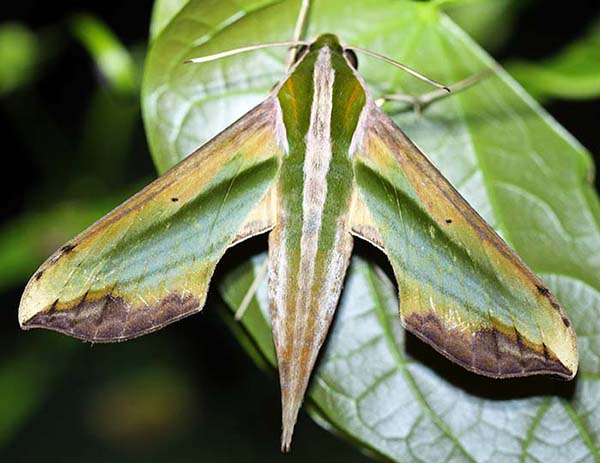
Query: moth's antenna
[237,51]
[300,23]
[404,67]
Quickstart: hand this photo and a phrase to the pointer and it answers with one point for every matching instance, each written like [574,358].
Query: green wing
[149,262]
[462,289]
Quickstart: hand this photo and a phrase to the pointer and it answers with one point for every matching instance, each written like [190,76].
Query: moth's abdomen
[305,284]
[310,246]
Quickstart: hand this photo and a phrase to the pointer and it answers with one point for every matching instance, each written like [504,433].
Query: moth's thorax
[300,95]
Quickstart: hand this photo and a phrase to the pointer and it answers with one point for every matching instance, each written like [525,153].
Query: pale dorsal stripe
[316,166]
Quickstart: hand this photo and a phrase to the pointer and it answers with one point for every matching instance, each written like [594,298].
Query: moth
[316,164]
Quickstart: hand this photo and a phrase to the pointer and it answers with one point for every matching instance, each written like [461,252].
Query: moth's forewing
[149,262]
[462,289]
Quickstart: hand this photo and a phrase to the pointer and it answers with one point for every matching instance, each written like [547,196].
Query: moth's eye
[351,57]
[300,53]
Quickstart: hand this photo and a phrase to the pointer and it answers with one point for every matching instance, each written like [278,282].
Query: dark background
[195,392]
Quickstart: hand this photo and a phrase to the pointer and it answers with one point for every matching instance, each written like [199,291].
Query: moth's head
[327,40]
[332,42]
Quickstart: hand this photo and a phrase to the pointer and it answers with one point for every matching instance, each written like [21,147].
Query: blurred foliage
[488,22]
[106,138]
[121,399]
[114,109]
[19,55]
[27,377]
[573,73]
[151,403]
[111,58]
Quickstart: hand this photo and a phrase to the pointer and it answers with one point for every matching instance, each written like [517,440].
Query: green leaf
[29,376]
[573,73]
[162,12]
[530,179]
[109,127]
[147,404]
[19,55]
[111,57]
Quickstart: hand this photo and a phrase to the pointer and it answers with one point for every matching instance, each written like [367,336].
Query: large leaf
[518,167]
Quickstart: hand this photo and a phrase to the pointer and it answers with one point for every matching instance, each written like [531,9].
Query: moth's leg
[420,102]
[260,275]
[298,30]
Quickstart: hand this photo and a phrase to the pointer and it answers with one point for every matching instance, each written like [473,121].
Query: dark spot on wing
[566,321]
[38,275]
[448,221]
[67,248]
[548,295]
[543,290]
[174,199]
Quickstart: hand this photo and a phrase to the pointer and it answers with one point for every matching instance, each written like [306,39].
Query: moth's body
[310,245]
[314,165]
